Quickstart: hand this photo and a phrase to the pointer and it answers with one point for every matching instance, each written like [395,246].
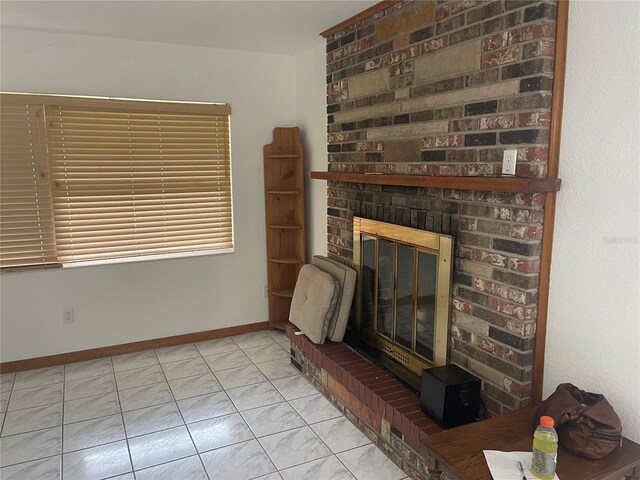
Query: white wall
[593,337]
[129,302]
[311,106]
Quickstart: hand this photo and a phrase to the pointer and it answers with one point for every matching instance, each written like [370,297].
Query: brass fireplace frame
[429,242]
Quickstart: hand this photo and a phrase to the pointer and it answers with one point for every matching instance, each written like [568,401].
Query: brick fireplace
[439,90]
[443,88]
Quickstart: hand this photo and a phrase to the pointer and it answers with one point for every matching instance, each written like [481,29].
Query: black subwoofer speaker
[450,395]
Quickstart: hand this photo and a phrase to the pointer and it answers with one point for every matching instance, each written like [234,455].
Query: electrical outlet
[67,315]
[509,159]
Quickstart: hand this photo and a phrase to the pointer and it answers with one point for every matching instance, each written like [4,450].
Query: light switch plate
[509,159]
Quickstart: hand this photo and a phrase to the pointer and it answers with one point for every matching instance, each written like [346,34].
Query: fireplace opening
[402,297]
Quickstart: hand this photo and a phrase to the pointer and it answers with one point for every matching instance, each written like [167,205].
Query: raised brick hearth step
[383,403]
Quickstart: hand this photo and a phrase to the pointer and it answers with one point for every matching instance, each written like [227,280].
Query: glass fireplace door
[404,292]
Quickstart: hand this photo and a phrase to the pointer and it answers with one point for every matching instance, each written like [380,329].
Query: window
[86,179]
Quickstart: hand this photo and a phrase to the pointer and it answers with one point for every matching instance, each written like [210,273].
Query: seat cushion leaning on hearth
[314,302]
[346,277]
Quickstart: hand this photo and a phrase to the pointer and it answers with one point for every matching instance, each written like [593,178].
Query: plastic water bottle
[545,449]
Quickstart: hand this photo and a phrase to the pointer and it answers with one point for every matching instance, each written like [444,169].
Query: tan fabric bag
[586,423]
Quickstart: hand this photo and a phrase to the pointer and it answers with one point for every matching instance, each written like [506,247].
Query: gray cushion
[346,277]
[314,302]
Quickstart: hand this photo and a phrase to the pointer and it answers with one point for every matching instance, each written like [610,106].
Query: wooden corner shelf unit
[284,213]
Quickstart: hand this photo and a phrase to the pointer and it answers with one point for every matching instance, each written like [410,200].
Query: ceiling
[271,26]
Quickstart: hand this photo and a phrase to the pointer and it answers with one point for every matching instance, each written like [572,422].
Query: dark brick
[519,248]
[333,108]
[482,77]
[434,156]
[423,116]
[488,155]
[330,119]
[501,23]
[333,147]
[490,10]
[438,87]
[352,71]
[511,339]
[526,282]
[400,119]
[462,278]
[374,99]
[477,210]
[348,147]
[347,39]
[475,139]
[462,155]
[481,108]
[544,10]
[450,112]
[523,69]
[534,84]
[333,212]
[329,79]
[365,31]
[513,4]
[491,316]
[449,84]
[420,35]
[452,23]
[400,190]
[331,46]
[473,296]
[295,363]
[523,136]
[468,238]
[373,157]
[348,126]
[503,397]
[496,228]
[465,34]
[465,125]
[422,217]
[374,122]
[365,55]
[382,49]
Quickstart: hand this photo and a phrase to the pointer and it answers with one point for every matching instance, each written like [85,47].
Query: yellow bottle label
[545,450]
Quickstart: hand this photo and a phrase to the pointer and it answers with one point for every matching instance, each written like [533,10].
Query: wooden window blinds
[114,178]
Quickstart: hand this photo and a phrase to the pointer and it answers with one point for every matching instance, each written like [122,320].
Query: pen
[524,477]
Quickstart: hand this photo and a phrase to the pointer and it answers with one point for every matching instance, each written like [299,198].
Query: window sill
[114,261]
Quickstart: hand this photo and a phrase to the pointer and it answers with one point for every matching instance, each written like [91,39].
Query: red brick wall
[442,89]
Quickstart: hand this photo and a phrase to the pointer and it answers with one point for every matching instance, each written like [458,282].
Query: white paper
[504,465]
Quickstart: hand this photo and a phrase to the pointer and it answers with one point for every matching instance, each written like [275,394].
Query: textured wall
[310,117]
[594,324]
[444,89]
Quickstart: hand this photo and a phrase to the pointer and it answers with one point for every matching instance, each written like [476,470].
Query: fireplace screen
[404,290]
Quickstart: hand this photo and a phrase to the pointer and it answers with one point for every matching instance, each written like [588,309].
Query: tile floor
[231,408]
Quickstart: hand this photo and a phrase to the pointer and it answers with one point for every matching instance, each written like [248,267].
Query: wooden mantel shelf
[493,184]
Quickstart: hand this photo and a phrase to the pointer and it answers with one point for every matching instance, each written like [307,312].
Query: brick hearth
[382,407]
